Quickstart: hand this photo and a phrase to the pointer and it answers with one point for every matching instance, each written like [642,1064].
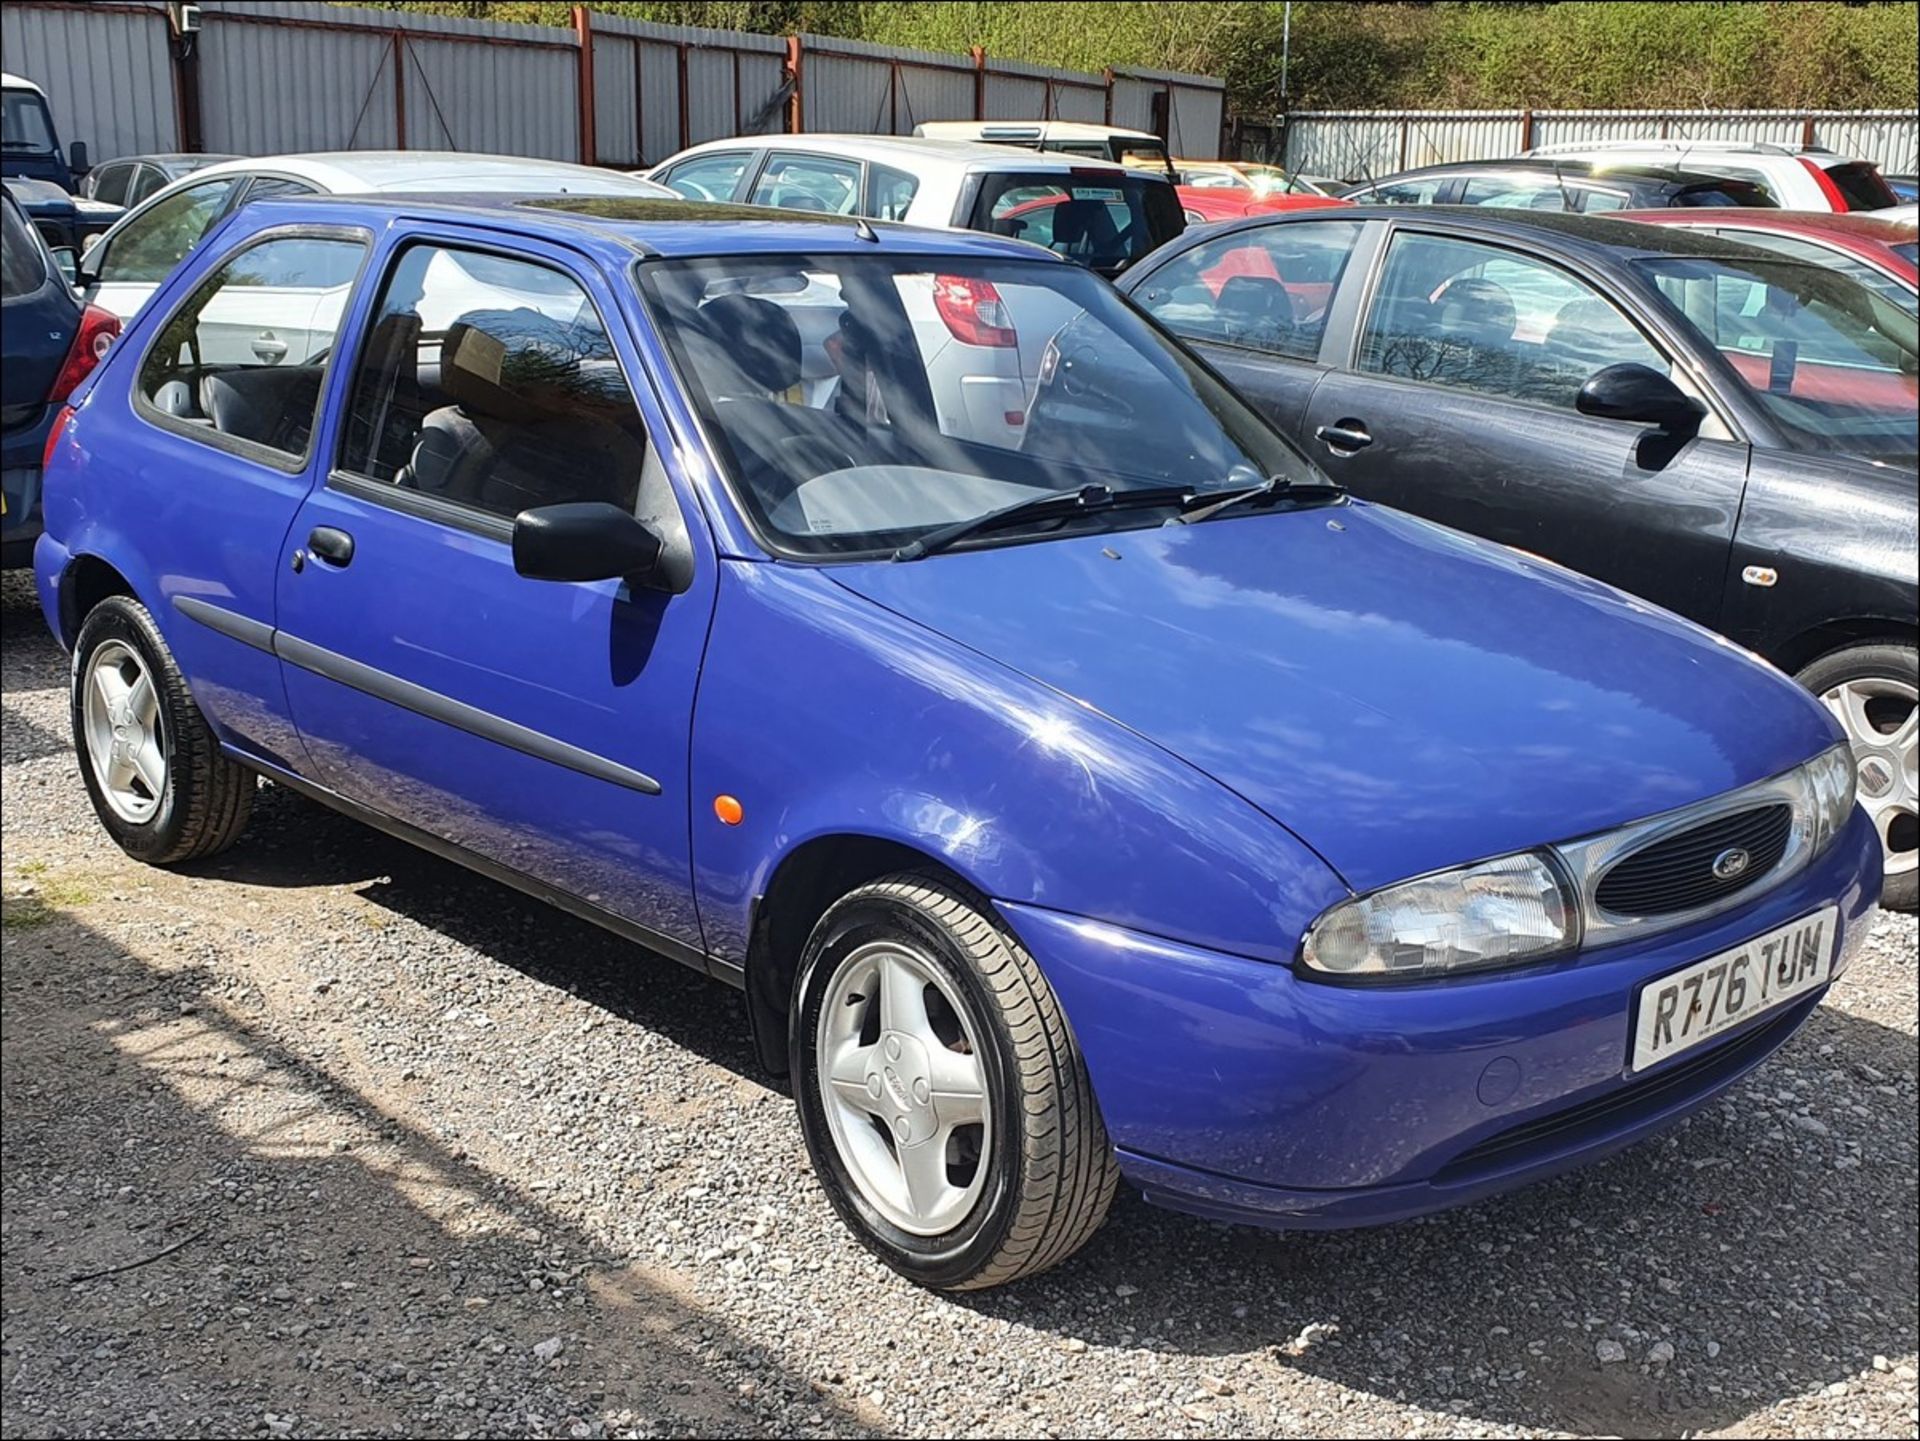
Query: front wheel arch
[807,880]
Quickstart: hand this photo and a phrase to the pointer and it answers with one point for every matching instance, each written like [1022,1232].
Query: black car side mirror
[586,540]
[1629,391]
[77,158]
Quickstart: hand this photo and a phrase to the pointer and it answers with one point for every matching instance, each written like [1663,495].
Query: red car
[1206,203]
[1878,253]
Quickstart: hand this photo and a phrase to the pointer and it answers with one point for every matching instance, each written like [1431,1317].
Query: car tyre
[152,766]
[1872,690]
[1019,1189]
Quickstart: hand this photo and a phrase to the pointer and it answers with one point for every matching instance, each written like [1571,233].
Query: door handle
[331,545]
[269,347]
[1344,438]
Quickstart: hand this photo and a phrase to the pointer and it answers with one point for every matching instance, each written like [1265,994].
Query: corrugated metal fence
[1355,145]
[260,78]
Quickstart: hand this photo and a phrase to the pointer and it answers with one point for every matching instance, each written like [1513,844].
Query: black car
[1723,430]
[1546,184]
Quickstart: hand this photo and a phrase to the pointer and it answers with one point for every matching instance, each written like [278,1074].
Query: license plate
[1692,1006]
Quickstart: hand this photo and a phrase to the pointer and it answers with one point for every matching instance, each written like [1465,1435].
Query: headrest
[496,364]
[1479,308]
[1256,296]
[759,337]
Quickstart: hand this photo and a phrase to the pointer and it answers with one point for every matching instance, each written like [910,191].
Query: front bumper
[1237,1090]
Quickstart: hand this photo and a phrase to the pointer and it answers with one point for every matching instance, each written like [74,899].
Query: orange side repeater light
[728,810]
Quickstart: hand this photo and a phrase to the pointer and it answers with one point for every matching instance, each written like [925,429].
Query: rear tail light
[90,345]
[1825,181]
[56,434]
[973,311]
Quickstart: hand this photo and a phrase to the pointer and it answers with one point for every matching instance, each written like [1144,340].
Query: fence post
[979,82]
[399,91]
[796,107]
[686,104]
[583,40]
[185,54]
[1526,130]
[1106,112]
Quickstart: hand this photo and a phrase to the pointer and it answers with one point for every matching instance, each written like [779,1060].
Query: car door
[801,180]
[1458,404]
[221,454]
[538,725]
[130,262]
[1255,303]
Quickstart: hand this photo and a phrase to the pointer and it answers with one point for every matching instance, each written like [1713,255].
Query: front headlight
[1831,778]
[1495,913]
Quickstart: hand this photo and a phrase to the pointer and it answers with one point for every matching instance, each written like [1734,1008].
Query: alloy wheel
[126,740]
[1881,716]
[902,1087]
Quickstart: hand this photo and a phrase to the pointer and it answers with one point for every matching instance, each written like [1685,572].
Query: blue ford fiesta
[900,628]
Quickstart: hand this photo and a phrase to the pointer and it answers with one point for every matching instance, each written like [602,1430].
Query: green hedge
[1818,54]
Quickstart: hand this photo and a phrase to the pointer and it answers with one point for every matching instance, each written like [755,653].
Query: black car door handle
[331,545]
[1345,438]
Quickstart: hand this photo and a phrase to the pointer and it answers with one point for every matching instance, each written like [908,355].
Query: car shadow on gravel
[1774,1257]
[274,1239]
[1739,1241]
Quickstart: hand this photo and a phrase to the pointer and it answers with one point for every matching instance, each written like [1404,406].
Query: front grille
[1631,1103]
[1676,874]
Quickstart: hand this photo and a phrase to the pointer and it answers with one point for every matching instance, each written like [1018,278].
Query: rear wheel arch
[86,582]
[808,880]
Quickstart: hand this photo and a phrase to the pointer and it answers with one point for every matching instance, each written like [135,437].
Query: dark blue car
[1077,785]
[49,340]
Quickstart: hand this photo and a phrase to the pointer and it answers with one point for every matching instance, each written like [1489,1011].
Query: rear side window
[890,192]
[1402,192]
[1102,220]
[108,184]
[708,177]
[1268,290]
[23,266]
[244,357]
[489,383]
[153,243]
[1862,186]
[1725,193]
[268,186]
[1518,192]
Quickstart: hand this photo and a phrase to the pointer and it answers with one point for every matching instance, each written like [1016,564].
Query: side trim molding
[237,627]
[416,698]
[458,714]
[640,935]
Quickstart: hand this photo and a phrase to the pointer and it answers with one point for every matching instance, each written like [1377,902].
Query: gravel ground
[393,1151]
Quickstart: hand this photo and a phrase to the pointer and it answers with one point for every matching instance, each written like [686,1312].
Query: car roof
[1578,169]
[1053,129]
[1597,236]
[19,82]
[1784,222]
[374,170]
[909,151]
[619,228]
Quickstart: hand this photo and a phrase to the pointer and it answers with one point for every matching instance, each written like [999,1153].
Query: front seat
[535,417]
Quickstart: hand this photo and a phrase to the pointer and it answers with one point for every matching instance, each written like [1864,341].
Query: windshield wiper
[1087,499]
[1274,487]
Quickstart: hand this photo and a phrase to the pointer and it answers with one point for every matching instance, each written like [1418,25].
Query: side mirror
[585,540]
[1636,392]
[67,261]
[77,157]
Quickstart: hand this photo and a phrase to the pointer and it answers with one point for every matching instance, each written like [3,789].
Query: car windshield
[860,402]
[1834,364]
[24,123]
